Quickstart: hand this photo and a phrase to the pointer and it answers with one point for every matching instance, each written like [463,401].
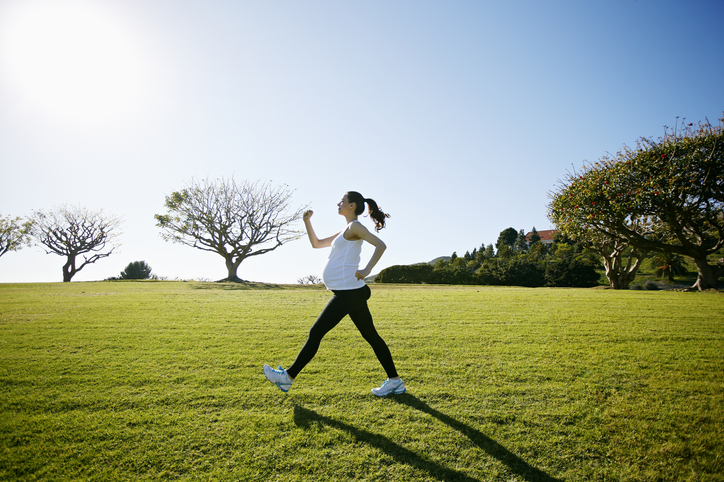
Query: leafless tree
[73,231]
[14,234]
[309,280]
[233,220]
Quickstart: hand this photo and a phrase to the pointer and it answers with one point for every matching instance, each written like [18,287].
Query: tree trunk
[69,269]
[708,275]
[231,267]
[620,276]
[613,279]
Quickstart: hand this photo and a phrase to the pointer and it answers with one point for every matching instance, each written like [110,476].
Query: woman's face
[344,205]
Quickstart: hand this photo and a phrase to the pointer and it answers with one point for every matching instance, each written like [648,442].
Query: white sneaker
[395,387]
[279,377]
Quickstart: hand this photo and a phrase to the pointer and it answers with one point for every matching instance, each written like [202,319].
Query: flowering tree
[583,220]
[233,220]
[73,232]
[666,195]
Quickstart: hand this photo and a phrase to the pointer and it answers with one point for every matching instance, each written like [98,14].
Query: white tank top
[343,263]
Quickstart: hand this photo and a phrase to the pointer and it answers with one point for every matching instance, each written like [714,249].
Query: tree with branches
[72,232]
[309,280]
[620,259]
[233,220]
[667,195]
[14,234]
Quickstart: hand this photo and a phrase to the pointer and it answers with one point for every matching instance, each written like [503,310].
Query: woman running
[343,277]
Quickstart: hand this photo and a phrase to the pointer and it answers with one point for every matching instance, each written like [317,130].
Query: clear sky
[458,117]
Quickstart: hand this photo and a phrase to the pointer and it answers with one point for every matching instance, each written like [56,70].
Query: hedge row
[514,272]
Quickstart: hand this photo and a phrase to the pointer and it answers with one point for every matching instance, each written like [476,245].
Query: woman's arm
[358,231]
[316,242]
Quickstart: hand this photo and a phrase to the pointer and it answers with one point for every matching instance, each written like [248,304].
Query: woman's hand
[316,242]
[362,274]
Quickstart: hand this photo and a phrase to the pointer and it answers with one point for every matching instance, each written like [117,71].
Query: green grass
[162,381]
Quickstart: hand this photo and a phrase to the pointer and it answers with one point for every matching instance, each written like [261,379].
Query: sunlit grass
[162,381]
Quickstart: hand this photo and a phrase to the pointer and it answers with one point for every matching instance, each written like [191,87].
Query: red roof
[545,236]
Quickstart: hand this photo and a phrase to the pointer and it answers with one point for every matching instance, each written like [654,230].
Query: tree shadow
[232,285]
[485,443]
[304,418]
[251,285]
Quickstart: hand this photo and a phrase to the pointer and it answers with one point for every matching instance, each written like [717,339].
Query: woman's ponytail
[374,211]
[376,214]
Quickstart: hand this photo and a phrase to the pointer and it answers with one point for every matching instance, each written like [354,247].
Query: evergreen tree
[534,236]
[507,238]
[521,245]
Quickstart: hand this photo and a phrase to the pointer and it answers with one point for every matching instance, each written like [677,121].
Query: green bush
[650,285]
[136,270]
[415,273]
[571,273]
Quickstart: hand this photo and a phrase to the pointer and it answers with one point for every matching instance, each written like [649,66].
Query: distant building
[546,237]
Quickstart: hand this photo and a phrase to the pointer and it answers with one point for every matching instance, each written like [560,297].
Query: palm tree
[668,265]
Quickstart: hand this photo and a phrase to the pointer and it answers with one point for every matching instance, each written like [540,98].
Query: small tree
[136,270]
[14,234]
[668,265]
[534,236]
[506,238]
[233,220]
[73,232]
[521,243]
[309,280]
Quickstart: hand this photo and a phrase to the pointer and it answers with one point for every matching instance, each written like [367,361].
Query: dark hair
[374,211]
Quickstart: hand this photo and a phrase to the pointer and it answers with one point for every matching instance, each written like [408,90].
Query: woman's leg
[330,317]
[362,318]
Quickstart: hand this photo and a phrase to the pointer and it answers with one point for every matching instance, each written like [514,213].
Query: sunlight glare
[70,60]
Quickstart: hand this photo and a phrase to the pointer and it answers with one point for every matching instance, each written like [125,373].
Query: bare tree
[233,220]
[73,232]
[14,234]
[309,280]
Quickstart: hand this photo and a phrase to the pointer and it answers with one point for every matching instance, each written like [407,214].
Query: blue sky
[457,117]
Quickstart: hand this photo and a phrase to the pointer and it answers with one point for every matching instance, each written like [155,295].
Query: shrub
[650,285]
[512,272]
[524,272]
[136,270]
[416,273]
[571,273]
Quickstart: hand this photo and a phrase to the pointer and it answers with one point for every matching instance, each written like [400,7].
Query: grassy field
[162,381]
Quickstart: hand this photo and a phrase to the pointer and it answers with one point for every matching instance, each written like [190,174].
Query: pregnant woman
[343,277]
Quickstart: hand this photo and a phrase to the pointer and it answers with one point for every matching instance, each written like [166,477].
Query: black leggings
[354,304]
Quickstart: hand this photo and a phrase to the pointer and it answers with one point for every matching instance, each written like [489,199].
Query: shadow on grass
[228,285]
[485,443]
[304,418]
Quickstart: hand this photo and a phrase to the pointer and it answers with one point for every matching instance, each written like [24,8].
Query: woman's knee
[317,332]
